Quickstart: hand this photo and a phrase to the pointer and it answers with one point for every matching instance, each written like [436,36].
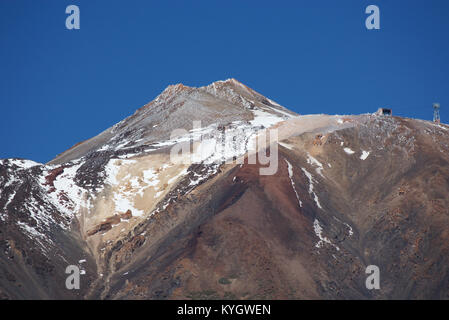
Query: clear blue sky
[59,86]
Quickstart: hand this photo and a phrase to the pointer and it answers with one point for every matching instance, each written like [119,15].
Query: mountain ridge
[228,107]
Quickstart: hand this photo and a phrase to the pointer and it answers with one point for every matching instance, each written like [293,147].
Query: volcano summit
[347,192]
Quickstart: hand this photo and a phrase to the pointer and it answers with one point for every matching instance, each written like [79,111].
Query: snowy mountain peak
[230,82]
[179,107]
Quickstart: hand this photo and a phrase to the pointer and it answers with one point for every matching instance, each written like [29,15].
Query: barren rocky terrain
[348,192]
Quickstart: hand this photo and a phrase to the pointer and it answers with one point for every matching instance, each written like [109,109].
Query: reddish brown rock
[105,226]
[127,215]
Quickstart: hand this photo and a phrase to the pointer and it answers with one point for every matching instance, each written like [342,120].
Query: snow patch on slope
[24,164]
[290,174]
[364,155]
[198,178]
[311,192]
[67,197]
[319,233]
[265,119]
[38,237]
[311,160]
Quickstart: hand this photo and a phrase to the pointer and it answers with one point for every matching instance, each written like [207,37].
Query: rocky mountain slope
[145,222]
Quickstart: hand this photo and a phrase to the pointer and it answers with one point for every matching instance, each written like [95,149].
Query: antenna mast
[436,112]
